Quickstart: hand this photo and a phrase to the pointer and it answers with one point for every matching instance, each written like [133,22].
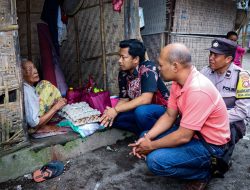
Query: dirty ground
[112,167]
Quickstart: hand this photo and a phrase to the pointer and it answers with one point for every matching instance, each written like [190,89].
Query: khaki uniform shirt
[238,109]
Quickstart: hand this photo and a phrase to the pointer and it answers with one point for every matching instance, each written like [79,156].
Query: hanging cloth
[50,15]
[61,26]
[117,5]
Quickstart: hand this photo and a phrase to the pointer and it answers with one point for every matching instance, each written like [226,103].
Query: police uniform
[226,83]
[238,109]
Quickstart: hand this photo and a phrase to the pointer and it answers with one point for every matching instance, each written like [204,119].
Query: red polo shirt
[202,108]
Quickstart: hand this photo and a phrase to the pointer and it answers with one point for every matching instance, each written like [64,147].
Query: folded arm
[47,116]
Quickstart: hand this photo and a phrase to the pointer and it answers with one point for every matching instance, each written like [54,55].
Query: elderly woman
[40,102]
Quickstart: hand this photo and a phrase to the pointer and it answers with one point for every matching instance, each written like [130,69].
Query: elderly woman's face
[30,73]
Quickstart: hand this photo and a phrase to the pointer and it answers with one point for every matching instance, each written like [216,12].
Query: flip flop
[48,171]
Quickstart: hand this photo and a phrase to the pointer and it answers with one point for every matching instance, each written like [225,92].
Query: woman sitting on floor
[40,102]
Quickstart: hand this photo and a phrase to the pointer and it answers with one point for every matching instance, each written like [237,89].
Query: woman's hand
[60,103]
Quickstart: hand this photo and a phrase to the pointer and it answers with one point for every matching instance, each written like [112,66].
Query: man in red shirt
[175,151]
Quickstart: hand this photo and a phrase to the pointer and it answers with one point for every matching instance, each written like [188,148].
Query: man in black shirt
[139,81]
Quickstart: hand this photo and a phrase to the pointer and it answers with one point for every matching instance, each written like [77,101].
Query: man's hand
[108,117]
[142,147]
[134,148]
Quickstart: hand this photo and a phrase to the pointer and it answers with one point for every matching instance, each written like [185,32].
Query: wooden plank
[132,26]
[8,28]
[22,33]
[36,6]
[21,6]
[28,29]
[103,41]
[77,50]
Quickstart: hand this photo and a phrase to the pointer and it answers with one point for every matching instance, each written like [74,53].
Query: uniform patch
[243,86]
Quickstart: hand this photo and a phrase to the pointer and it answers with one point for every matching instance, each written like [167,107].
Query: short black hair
[136,48]
[231,33]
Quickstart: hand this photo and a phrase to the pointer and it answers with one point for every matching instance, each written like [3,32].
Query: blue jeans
[187,161]
[140,119]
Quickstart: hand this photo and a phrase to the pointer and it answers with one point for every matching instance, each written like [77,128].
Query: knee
[155,165]
[152,163]
[143,111]
[140,111]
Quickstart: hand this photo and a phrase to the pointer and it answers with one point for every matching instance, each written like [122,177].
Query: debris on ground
[104,169]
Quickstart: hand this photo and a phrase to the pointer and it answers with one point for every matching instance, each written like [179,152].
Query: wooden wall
[11,112]
[93,45]
[197,22]
[94,33]
[28,13]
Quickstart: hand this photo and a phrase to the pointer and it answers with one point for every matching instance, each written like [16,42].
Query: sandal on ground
[48,171]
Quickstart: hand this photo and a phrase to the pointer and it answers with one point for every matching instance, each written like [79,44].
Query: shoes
[196,185]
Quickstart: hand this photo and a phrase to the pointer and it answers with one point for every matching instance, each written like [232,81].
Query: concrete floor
[111,167]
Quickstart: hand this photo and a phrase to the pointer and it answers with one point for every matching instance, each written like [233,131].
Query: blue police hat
[223,46]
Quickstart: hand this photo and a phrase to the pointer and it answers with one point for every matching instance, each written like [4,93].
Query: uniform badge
[215,44]
[228,73]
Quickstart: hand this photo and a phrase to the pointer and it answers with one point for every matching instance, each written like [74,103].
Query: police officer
[224,75]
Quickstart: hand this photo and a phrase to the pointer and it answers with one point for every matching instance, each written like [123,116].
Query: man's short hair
[136,48]
[231,33]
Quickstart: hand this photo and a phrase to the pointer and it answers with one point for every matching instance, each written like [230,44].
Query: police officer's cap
[223,46]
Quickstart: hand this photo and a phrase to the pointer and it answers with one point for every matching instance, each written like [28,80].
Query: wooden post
[28,29]
[170,20]
[132,22]
[162,40]
[103,41]
[8,28]
[126,19]
[131,19]
[78,50]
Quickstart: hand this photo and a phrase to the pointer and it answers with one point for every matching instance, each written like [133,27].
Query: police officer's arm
[240,111]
